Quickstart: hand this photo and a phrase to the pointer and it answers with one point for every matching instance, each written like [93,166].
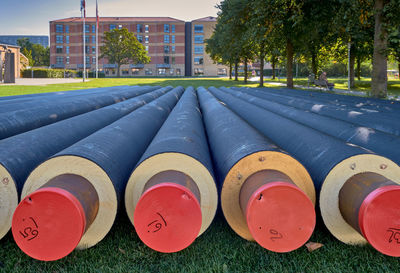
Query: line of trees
[36,54]
[311,30]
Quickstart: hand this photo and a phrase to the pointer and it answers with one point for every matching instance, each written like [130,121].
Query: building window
[93,39]
[112,27]
[198,39]
[146,28]
[147,48]
[67,39]
[67,60]
[140,38]
[93,28]
[93,60]
[67,49]
[172,60]
[166,39]
[139,28]
[198,71]
[173,49]
[87,49]
[135,71]
[87,28]
[171,72]
[198,28]
[166,49]
[166,59]
[59,39]
[198,60]
[87,38]
[173,28]
[59,28]
[222,71]
[173,39]
[125,72]
[198,49]
[87,59]
[178,71]
[119,26]
[146,39]
[161,71]
[166,28]
[93,50]
[148,71]
[59,49]
[60,60]
[67,29]
[110,71]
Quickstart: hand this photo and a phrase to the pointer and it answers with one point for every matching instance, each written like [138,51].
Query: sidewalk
[27,81]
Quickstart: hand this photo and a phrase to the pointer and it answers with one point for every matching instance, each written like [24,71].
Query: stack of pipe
[71,199]
[359,195]
[23,152]
[266,194]
[171,197]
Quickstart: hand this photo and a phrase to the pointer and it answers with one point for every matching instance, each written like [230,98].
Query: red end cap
[167,217]
[48,224]
[379,219]
[280,216]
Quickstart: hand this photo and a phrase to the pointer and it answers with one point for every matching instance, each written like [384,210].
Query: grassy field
[340,83]
[218,250]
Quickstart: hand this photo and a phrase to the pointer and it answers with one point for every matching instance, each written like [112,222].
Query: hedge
[47,73]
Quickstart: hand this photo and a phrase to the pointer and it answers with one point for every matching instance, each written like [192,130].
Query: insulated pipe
[267,195]
[20,154]
[346,131]
[104,159]
[32,101]
[332,163]
[378,122]
[171,197]
[19,121]
[354,101]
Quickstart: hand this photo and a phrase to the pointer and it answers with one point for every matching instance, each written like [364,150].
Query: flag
[83,8]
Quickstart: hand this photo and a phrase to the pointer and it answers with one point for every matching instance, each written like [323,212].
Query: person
[324,78]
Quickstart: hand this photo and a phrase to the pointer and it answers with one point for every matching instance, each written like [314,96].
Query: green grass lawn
[219,249]
[340,83]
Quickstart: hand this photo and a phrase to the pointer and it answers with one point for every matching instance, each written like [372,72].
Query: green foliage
[122,47]
[47,73]
[36,53]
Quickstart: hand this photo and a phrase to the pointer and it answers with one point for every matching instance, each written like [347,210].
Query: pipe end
[280,216]
[379,219]
[167,217]
[48,224]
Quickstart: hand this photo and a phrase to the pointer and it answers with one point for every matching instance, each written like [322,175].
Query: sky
[31,17]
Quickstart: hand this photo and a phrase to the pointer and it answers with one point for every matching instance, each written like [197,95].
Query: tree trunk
[289,64]
[230,71]
[379,60]
[118,72]
[359,68]
[273,68]
[236,70]
[352,63]
[245,70]
[314,67]
[262,57]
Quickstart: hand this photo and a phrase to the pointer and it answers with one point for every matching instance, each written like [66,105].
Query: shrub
[47,73]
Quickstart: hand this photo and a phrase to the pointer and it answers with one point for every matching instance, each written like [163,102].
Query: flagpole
[84,45]
[97,41]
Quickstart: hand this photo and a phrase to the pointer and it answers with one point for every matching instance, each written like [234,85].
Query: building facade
[165,39]
[17,57]
[35,39]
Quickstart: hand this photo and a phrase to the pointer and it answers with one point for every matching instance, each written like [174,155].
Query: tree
[37,54]
[122,47]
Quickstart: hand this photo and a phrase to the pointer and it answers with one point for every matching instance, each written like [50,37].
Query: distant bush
[91,74]
[48,73]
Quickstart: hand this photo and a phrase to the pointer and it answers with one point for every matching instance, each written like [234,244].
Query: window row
[166,39]
[60,60]
[88,39]
[167,49]
[139,28]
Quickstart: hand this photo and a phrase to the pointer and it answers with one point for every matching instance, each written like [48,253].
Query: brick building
[163,38]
